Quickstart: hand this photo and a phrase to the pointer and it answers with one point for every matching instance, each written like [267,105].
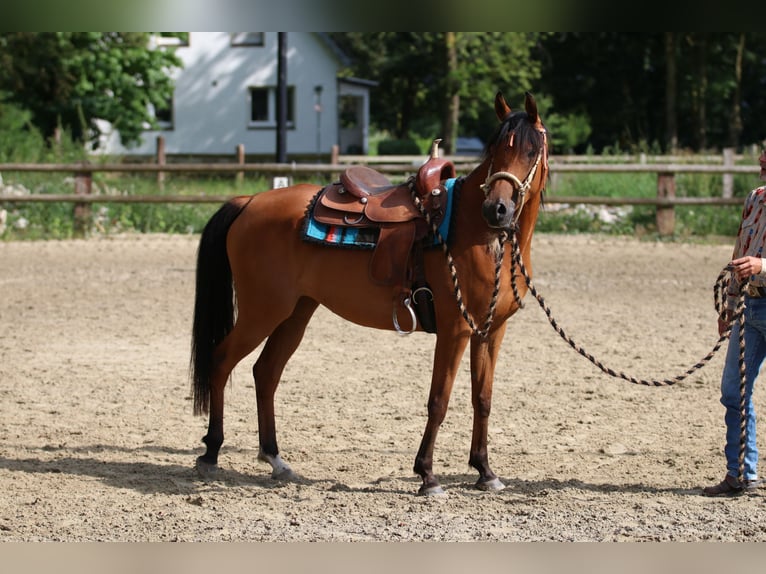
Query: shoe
[730,485]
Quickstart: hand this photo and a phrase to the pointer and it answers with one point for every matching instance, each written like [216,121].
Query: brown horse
[253,247]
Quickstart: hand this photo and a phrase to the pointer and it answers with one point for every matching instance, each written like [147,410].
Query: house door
[351,132]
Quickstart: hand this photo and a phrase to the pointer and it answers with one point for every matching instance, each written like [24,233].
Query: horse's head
[518,163]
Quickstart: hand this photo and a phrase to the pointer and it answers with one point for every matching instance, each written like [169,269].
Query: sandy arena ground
[97,438]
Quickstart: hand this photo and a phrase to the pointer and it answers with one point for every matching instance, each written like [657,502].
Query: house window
[263,107]
[247,38]
[349,111]
[164,115]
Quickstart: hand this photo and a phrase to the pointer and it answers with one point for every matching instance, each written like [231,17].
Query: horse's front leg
[447,355]
[484,352]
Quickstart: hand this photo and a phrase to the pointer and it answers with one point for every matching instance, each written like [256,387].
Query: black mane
[525,133]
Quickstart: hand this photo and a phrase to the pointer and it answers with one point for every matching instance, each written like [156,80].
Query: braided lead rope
[742,385]
[499,255]
[666,382]
[739,316]
[719,297]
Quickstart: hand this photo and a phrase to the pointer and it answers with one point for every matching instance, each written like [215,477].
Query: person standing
[747,264]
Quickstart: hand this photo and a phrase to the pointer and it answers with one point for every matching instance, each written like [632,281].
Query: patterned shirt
[751,240]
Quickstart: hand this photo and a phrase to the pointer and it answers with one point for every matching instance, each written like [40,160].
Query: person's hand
[744,267]
[723,322]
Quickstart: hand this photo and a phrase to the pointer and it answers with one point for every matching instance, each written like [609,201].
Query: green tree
[407,66]
[691,90]
[492,61]
[68,80]
[426,79]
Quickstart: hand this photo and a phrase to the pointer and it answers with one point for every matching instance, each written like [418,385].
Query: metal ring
[416,291]
[347,221]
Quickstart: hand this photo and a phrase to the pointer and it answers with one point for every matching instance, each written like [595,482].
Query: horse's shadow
[519,490]
[144,476]
[151,477]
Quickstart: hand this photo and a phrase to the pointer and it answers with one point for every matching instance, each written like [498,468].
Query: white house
[226,95]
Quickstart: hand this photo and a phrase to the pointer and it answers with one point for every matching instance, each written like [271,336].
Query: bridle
[521,186]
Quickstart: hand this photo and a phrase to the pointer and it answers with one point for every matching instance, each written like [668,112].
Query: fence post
[240,161]
[334,159]
[83,185]
[161,161]
[666,215]
[728,178]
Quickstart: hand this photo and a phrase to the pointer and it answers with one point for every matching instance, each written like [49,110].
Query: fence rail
[402,166]
[563,199]
[389,168]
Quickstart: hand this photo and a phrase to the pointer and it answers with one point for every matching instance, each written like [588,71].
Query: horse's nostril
[497,213]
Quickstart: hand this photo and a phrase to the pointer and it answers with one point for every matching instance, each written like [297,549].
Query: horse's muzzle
[498,213]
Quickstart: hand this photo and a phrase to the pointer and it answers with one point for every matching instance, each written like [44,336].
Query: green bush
[20,141]
[398,147]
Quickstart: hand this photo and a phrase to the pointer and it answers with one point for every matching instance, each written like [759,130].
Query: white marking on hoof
[280,470]
[205,469]
[494,485]
[433,491]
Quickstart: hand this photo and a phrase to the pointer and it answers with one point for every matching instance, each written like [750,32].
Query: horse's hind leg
[241,341]
[267,372]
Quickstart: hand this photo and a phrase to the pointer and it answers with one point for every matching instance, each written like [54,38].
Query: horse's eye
[531,154]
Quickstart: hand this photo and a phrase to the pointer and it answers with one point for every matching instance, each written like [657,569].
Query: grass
[699,221]
[56,220]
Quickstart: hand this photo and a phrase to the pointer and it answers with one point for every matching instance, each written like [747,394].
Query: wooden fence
[396,166]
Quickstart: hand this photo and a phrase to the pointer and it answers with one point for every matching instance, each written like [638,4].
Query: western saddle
[365,198]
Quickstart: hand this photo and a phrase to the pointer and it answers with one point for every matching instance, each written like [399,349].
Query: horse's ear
[502,109]
[530,105]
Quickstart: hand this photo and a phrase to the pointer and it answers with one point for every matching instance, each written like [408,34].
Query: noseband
[521,186]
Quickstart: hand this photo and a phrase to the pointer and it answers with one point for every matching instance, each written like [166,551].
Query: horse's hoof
[206,470]
[493,484]
[284,475]
[280,470]
[433,491]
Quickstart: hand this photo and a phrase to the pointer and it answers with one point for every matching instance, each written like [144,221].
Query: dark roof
[334,48]
[360,82]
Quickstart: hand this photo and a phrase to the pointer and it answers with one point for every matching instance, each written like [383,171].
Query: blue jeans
[755,352]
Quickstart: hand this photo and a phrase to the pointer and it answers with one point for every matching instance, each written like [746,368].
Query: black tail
[213,302]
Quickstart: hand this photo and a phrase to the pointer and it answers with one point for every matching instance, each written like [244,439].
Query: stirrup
[407,305]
